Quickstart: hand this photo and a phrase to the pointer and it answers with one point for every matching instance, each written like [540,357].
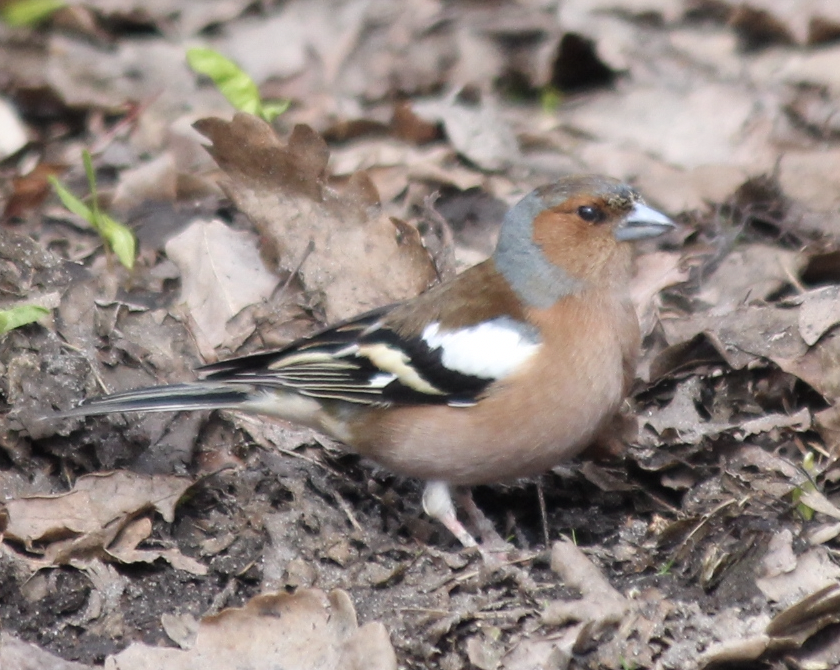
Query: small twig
[342,503]
[134,112]
[803,449]
[794,280]
[705,520]
[543,512]
[475,573]
[427,610]
[309,249]
[345,507]
[294,454]
[92,367]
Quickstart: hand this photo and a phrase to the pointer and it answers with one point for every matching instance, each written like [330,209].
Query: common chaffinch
[500,373]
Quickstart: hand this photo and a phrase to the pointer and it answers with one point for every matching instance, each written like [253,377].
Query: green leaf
[271,110]
[809,466]
[30,12]
[91,177]
[665,568]
[20,316]
[70,201]
[234,83]
[550,100]
[119,238]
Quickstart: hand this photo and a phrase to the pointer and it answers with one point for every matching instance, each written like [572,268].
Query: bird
[502,372]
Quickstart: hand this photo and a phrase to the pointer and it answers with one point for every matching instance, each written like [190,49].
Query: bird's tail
[172,398]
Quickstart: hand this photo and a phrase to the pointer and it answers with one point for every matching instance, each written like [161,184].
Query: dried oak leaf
[347,250]
[306,630]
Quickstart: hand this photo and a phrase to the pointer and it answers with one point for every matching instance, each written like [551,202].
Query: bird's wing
[366,361]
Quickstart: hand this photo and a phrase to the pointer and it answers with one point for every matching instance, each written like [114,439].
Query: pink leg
[490,539]
[437,502]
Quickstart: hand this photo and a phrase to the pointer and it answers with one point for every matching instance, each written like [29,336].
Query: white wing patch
[490,350]
[381,380]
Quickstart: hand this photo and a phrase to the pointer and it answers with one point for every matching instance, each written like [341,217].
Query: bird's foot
[437,502]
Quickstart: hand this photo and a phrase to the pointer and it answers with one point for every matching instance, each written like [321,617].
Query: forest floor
[708,536]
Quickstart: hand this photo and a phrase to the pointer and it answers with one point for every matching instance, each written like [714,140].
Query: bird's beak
[641,223]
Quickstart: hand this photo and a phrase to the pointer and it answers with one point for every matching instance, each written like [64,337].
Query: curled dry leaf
[744,334]
[789,629]
[654,272]
[124,549]
[347,251]
[91,515]
[306,630]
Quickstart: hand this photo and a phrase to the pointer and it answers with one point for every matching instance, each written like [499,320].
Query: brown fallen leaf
[476,129]
[156,180]
[124,549]
[663,123]
[359,258]
[30,190]
[20,655]
[654,272]
[811,571]
[749,273]
[88,518]
[789,629]
[744,334]
[306,630]
[817,367]
[406,125]
[601,607]
[221,275]
[819,312]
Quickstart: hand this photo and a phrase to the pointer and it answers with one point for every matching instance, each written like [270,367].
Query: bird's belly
[521,430]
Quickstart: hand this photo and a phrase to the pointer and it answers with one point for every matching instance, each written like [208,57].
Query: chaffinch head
[503,372]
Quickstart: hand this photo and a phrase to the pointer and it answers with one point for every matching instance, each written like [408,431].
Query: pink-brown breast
[527,423]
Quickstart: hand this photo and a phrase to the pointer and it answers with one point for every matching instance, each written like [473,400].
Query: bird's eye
[590,213]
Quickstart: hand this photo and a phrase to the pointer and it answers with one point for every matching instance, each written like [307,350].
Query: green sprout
[29,12]
[20,316]
[809,468]
[233,83]
[118,238]
[665,568]
[550,99]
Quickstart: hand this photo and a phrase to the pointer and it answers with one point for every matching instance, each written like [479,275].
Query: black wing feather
[328,365]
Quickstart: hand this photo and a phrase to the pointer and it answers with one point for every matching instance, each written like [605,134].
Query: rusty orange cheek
[558,233]
[571,243]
